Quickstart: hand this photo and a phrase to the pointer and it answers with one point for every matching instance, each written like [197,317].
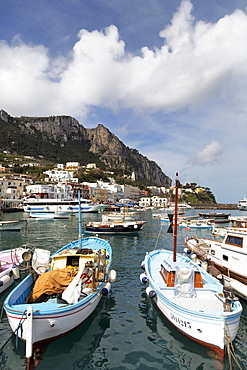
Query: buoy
[16,272]
[215,272]
[4,280]
[150,292]
[187,251]
[143,265]
[106,289]
[112,275]
[143,278]
[194,257]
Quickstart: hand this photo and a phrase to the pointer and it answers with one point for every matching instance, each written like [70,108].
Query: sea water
[126,331]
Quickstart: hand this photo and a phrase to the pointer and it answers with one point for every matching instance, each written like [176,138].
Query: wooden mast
[175,219]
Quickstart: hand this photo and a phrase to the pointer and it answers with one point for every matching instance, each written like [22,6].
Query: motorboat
[110,227]
[10,261]
[226,257]
[189,297]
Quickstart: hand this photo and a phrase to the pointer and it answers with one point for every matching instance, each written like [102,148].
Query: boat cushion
[184,282]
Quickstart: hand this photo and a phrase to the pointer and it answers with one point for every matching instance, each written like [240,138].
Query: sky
[167,77]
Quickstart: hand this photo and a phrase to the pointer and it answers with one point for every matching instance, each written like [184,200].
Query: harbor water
[126,331]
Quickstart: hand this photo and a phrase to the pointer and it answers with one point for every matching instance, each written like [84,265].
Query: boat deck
[204,301]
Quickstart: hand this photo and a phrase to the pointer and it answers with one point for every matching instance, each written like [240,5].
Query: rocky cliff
[67,133]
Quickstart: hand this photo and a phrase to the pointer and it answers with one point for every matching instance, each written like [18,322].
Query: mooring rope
[158,236]
[230,350]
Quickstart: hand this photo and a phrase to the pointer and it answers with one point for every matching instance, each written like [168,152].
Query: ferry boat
[60,205]
[242,204]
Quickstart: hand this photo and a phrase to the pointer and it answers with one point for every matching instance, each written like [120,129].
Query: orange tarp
[52,282]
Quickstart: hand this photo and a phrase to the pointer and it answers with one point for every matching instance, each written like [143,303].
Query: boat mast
[175,219]
[80,220]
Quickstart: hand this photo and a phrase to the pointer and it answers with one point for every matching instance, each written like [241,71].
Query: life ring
[86,278]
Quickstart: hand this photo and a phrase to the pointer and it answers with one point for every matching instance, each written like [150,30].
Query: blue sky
[167,77]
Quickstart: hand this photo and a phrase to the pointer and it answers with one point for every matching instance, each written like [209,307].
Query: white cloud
[197,59]
[209,154]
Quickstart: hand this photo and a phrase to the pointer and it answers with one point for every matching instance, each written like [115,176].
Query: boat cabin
[74,259]
[168,274]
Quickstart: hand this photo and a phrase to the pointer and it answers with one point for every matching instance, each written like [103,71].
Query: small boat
[214,215]
[15,225]
[190,298]
[10,261]
[66,290]
[195,224]
[120,216]
[110,227]
[228,256]
[50,215]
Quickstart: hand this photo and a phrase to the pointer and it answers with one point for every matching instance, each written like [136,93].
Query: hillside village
[32,177]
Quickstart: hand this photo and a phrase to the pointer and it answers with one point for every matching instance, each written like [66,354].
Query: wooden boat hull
[55,321]
[128,227]
[197,317]
[53,318]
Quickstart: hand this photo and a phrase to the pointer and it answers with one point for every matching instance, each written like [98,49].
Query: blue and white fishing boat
[65,291]
[190,298]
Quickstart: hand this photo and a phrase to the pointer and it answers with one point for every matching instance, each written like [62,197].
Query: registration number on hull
[180,321]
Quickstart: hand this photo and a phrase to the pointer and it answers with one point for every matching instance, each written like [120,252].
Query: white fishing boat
[10,261]
[67,289]
[34,204]
[190,298]
[227,257]
[195,224]
[12,225]
[50,215]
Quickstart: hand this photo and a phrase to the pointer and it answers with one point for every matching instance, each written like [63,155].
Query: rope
[24,316]
[230,350]
[16,331]
[158,236]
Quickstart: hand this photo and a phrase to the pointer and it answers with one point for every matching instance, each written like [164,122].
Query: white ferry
[242,204]
[60,205]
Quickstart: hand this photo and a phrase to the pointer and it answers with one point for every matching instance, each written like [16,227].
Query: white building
[154,201]
[11,188]
[59,176]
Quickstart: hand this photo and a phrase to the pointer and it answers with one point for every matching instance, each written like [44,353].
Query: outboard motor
[229,295]
[229,292]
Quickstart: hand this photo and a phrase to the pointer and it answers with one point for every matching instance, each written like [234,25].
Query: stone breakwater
[214,206]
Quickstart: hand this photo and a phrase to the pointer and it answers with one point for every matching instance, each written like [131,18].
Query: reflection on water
[126,331]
